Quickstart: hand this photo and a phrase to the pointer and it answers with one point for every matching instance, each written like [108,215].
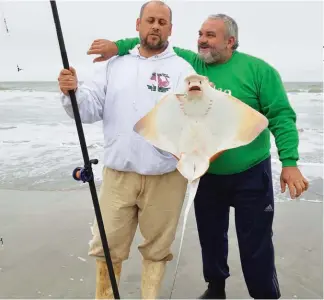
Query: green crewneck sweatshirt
[257,84]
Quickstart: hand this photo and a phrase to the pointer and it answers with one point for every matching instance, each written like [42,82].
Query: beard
[213,55]
[153,45]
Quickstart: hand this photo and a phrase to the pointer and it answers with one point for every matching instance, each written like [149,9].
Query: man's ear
[170,31]
[231,42]
[138,22]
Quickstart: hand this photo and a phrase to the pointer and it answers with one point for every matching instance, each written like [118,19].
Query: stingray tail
[191,194]
[193,165]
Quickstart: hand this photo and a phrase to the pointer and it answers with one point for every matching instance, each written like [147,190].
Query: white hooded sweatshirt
[120,94]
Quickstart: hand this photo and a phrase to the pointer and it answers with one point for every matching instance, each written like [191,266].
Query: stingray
[196,127]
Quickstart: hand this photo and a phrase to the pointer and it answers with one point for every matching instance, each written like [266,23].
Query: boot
[103,285]
[152,275]
[214,292]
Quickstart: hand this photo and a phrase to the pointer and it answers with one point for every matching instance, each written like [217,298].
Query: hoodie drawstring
[137,80]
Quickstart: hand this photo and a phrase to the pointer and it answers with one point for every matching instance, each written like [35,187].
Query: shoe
[103,284]
[152,275]
[214,292]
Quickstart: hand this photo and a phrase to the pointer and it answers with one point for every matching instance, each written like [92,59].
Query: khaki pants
[129,199]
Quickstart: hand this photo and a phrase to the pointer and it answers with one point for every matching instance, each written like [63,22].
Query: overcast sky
[288,35]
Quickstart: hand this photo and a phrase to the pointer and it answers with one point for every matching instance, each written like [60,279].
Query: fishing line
[7,29]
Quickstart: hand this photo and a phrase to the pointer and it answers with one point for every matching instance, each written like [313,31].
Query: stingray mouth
[195,88]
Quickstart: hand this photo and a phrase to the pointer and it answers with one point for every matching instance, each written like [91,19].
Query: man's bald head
[155,2]
[154,26]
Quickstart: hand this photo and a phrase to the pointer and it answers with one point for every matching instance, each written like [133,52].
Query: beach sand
[46,234]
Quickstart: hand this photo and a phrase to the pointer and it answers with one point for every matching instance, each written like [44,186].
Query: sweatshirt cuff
[66,101]
[121,47]
[289,163]
[124,45]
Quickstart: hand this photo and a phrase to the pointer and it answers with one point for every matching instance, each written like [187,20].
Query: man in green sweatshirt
[240,177]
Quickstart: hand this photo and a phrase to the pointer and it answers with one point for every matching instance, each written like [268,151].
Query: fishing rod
[85,174]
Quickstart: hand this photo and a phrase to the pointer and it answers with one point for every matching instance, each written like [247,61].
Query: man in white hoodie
[141,185]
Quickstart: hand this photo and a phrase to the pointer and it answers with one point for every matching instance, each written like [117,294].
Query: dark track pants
[251,194]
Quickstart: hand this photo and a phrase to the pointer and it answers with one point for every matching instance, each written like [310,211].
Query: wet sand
[46,236]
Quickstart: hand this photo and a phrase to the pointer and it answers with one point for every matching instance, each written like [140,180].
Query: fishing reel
[84,174]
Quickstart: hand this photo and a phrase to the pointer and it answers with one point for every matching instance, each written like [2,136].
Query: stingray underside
[198,139]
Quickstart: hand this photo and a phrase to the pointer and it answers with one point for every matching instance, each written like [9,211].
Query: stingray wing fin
[230,123]
[163,125]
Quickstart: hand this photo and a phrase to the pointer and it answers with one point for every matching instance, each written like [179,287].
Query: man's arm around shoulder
[106,49]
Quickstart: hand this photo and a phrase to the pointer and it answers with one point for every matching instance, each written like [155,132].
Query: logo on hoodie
[161,81]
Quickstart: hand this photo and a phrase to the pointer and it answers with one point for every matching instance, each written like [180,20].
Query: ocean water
[39,146]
